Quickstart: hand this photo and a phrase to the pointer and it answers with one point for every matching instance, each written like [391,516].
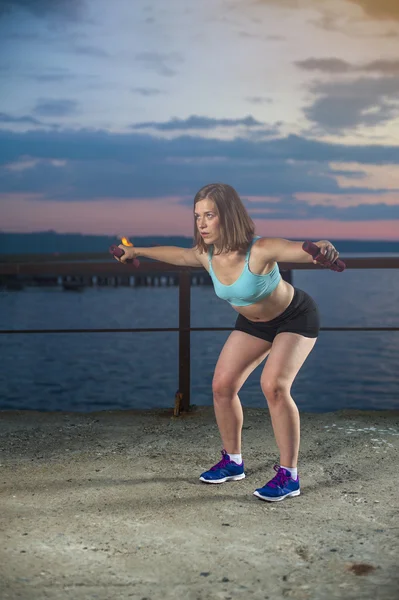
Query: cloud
[160,62]
[138,148]
[46,74]
[93,181]
[336,65]
[347,104]
[327,65]
[379,9]
[259,100]
[259,36]
[197,122]
[52,75]
[21,36]
[146,91]
[374,9]
[94,51]
[28,163]
[69,9]
[350,174]
[91,165]
[55,108]
[23,119]
[292,208]
[387,67]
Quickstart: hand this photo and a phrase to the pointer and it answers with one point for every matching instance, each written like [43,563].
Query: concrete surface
[109,506]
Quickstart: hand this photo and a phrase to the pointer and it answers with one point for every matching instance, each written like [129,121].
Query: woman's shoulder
[261,242]
[265,242]
[265,247]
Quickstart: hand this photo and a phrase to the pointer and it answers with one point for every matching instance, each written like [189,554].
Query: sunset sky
[113,114]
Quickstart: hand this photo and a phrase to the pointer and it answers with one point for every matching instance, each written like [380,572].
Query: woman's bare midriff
[270,307]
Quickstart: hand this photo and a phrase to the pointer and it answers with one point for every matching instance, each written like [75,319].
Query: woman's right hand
[130,253]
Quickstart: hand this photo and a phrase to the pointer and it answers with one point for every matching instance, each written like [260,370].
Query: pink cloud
[317,229]
[162,216]
[345,200]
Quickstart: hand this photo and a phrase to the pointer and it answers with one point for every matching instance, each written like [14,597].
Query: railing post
[184,338]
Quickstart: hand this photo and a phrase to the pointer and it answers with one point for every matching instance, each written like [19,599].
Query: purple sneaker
[281,486]
[225,470]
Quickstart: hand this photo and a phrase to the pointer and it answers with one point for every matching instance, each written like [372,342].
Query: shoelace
[223,463]
[280,479]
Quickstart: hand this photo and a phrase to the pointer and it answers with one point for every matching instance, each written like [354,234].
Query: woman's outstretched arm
[281,250]
[172,255]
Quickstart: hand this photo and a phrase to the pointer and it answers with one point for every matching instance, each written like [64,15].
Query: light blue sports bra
[249,287]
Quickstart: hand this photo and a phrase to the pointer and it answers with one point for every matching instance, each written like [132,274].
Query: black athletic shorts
[301,316]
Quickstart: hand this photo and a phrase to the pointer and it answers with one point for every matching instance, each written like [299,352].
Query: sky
[114,114]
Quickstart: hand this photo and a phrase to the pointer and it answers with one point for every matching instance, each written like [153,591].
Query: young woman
[275,320]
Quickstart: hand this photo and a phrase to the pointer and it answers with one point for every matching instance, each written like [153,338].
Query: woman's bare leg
[288,353]
[240,355]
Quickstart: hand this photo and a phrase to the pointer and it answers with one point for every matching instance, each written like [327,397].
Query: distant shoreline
[50,242]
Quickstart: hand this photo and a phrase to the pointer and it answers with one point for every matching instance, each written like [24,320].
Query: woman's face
[207,220]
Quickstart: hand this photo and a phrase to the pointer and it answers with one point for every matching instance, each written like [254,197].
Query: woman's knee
[224,387]
[276,389]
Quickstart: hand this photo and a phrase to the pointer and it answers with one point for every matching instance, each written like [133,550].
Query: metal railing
[72,264]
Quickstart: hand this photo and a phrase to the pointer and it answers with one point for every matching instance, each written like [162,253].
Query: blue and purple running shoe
[225,470]
[281,486]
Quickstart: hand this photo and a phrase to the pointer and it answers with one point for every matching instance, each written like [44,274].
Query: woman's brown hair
[236,226]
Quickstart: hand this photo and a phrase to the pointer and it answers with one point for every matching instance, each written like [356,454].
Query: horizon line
[112,235]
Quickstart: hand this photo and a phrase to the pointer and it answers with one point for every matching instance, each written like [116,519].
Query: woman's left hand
[328,250]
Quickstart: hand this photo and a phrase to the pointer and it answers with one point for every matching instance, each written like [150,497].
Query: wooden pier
[76,272]
[71,282]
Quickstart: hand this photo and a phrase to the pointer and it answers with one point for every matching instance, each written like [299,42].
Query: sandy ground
[109,506]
